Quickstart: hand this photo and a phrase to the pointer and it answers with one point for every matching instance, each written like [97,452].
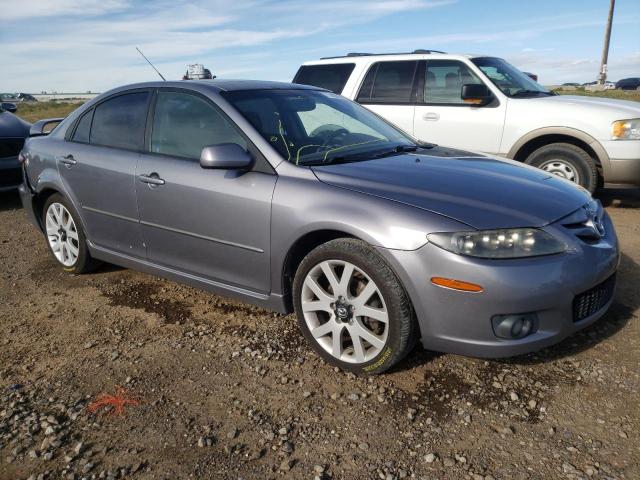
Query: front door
[211,223]
[97,165]
[444,118]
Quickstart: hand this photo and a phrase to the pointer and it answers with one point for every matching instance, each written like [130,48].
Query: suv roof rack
[362,54]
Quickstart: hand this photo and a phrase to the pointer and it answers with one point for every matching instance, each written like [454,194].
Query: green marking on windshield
[351,145]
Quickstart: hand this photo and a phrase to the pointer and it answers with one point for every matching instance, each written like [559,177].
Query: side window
[83,130]
[183,124]
[444,80]
[119,122]
[389,82]
[332,77]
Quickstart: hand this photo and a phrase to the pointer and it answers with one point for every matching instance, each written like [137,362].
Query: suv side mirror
[475,93]
[9,107]
[230,156]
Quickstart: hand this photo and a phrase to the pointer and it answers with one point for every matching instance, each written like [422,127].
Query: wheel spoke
[72,249]
[315,306]
[313,285]
[55,245]
[375,313]
[347,273]
[328,271]
[51,230]
[366,293]
[336,343]
[72,234]
[367,335]
[358,349]
[323,329]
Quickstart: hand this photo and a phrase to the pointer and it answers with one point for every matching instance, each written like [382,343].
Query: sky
[89,45]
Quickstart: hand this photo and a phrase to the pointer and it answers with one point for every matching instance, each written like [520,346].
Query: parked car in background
[485,104]
[628,84]
[13,131]
[295,198]
[571,84]
[17,97]
[609,85]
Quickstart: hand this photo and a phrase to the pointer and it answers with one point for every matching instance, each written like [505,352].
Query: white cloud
[20,9]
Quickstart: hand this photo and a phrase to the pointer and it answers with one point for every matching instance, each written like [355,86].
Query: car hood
[12,126]
[618,109]
[482,192]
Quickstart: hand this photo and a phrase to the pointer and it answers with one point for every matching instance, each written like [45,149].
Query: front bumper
[624,161]
[460,322]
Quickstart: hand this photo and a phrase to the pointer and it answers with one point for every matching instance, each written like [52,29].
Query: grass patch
[619,94]
[32,112]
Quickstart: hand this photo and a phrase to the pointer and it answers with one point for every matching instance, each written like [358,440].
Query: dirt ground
[229,391]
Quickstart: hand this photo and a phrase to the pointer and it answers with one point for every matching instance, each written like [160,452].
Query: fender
[597,147]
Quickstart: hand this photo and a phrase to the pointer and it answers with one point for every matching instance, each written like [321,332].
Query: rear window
[332,77]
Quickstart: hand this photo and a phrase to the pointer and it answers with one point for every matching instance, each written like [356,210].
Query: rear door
[98,165]
[389,89]
[211,223]
[442,117]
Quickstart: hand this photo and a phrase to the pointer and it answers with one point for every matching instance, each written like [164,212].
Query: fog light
[514,326]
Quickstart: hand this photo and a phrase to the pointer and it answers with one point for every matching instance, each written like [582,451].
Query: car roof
[222,85]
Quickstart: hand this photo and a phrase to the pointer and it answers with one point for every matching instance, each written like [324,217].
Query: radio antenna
[151,64]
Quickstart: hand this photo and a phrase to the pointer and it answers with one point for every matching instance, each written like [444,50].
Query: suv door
[442,117]
[211,223]
[389,89]
[98,167]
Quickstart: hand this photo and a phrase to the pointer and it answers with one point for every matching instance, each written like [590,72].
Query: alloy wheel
[345,311]
[62,234]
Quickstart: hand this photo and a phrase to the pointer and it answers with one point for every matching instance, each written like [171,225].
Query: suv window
[119,122]
[83,130]
[183,124]
[389,82]
[332,77]
[444,80]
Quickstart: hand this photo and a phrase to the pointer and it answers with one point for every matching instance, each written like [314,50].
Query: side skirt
[266,301]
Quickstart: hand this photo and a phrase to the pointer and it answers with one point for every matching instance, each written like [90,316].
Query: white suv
[485,104]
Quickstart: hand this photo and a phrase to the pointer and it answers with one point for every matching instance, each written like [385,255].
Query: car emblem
[342,312]
[594,222]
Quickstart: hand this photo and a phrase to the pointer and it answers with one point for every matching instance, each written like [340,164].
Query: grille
[589,302]
[10,147]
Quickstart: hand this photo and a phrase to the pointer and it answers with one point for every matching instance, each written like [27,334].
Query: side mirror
[229,156]
[9,107]
[475,93]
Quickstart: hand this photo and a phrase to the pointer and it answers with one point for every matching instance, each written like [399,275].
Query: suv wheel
[567,161]
[352,308]
[65,237]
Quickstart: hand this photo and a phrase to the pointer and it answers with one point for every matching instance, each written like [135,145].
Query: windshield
[314,127]
[509,79]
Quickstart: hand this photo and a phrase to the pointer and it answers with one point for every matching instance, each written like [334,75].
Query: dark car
[632,83]
[17,97]
[13,132]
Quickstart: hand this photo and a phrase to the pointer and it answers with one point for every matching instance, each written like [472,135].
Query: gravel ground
[229,391]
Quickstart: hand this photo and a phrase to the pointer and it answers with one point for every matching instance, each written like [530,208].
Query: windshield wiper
[404,149]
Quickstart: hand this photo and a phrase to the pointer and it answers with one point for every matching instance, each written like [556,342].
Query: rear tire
[66,239]
[567,161]
[360,319]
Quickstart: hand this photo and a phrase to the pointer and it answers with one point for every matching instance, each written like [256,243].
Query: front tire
[352,308]
[567,161]
[65,238]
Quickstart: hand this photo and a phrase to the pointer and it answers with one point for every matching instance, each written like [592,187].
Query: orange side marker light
[456,284]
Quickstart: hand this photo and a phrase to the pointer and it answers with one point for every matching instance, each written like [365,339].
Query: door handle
[67,160]
[153,179]
[431,116]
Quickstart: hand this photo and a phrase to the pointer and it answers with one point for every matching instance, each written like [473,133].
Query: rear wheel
[567,161]
[352,308]
[65,237]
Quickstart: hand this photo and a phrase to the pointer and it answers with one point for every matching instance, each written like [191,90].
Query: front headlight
[508,243]
[626,129]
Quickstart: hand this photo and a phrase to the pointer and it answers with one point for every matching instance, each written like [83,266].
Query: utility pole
[605,50]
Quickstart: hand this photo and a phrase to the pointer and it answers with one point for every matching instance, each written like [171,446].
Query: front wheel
[65,237]
[567,161]
[352,308]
